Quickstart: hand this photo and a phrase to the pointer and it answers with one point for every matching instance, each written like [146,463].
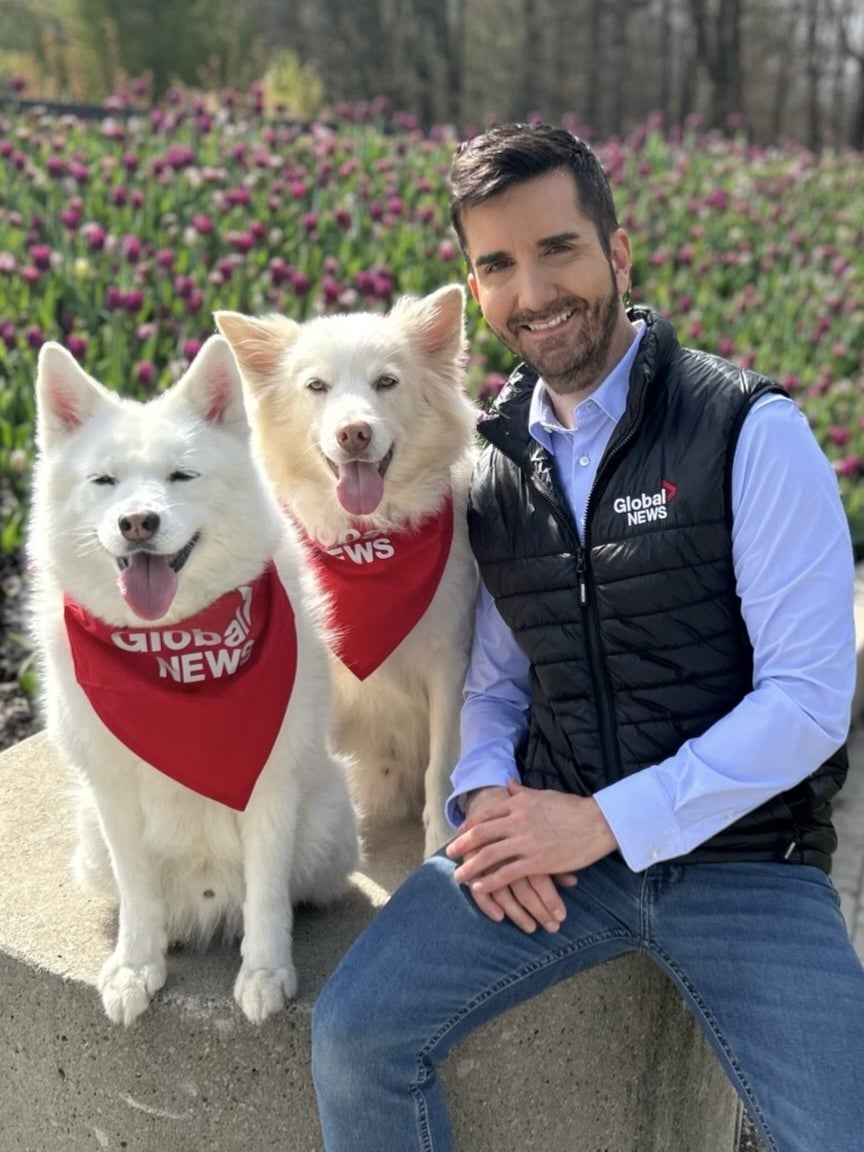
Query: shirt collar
[610,397]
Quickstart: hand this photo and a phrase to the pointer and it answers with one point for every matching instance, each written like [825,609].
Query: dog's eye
[385,382]
[103,479]
[182,474]
[316,385]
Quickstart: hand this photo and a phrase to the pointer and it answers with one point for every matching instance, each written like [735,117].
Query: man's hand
[518,845]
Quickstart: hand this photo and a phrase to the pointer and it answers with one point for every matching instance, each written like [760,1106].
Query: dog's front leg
[136,969]
[267,979]
[445,703]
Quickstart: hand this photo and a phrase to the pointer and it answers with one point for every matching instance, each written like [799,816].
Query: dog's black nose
[139,526]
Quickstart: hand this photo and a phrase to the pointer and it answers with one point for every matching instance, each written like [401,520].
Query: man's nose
[536,289]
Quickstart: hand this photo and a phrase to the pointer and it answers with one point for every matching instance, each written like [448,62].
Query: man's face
[545,284]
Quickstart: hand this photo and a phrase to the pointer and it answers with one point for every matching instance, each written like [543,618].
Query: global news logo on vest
[647,506]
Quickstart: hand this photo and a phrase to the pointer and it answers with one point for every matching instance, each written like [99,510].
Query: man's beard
[580,364]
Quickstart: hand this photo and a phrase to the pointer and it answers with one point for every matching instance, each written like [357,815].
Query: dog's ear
[66,397]
[212,387]
[259,343]
[436,321]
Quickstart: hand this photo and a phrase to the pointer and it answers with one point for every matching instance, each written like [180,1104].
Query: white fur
[183,867]
[401,724]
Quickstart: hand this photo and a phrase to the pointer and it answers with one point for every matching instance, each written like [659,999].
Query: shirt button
[584,461]
[654,853]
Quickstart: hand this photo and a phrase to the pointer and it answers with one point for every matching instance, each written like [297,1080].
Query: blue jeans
[759,952]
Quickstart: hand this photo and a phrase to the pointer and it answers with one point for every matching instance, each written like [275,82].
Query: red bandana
[380,583]
[202,700]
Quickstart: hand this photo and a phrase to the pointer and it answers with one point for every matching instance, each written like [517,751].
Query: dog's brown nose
[354,438]
[138,526]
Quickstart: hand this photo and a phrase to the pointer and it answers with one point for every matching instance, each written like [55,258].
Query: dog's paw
[262,991]
[128,989]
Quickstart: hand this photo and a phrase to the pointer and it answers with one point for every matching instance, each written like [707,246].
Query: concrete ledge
[612,1061]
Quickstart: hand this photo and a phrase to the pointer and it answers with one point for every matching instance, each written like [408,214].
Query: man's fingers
[487,861]
[539,897]
[478,838]
[507,904]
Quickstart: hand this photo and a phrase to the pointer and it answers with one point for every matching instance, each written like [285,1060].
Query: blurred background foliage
[779,68]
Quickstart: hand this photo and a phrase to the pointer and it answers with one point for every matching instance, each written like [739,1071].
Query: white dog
[364,428]
[185,677]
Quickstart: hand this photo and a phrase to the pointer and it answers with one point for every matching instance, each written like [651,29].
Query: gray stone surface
[612,1062]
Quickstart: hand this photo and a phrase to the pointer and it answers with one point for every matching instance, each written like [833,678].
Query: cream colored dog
[184,676]
[363,426]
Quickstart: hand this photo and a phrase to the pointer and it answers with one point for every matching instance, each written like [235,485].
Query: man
[655,710]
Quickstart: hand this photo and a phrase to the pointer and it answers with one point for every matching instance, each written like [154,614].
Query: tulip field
[120,235]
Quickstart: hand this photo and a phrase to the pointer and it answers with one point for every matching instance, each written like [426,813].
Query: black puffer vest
[635,637]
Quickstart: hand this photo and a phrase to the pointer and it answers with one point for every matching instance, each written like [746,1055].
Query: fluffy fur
[363,388]
[183,867]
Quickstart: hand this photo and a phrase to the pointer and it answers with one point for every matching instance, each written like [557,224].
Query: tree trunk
[718,47]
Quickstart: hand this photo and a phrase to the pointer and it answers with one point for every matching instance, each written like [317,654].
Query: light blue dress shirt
[795,579]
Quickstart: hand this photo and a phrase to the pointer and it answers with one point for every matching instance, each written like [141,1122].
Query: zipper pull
[581,577]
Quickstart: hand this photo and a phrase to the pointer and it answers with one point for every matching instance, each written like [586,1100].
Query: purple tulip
[77,345]
[849,466]
[491,386]
[95,235]
[79,172]
[131,248]
[280,271]
[40,254]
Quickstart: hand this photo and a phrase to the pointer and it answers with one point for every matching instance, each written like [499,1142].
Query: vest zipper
[581,576]
[599,676]
[605,709]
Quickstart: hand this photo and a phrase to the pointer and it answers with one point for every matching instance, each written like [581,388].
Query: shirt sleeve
[494,716]
[795,579]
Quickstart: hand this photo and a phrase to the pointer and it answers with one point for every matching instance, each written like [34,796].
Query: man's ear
[472,286]
[620,259]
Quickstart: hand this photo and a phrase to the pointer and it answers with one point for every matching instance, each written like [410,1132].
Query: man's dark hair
[510,154]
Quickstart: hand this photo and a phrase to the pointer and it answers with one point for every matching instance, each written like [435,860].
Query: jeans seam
[516,977]
[493,990]
[714,1026]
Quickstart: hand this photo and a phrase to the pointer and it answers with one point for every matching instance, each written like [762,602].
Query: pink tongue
[360,487]
[148,585]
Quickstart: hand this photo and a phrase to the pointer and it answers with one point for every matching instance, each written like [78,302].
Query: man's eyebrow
[560,238]
[490,258]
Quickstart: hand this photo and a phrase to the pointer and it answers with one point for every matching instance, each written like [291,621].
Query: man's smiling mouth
[552,322]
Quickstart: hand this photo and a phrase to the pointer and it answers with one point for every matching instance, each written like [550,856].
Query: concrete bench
[612,1062]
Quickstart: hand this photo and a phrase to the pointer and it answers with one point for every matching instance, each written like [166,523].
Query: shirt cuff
[638,812]
[477,769]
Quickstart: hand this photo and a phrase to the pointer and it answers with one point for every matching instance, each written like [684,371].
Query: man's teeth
[541,327]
